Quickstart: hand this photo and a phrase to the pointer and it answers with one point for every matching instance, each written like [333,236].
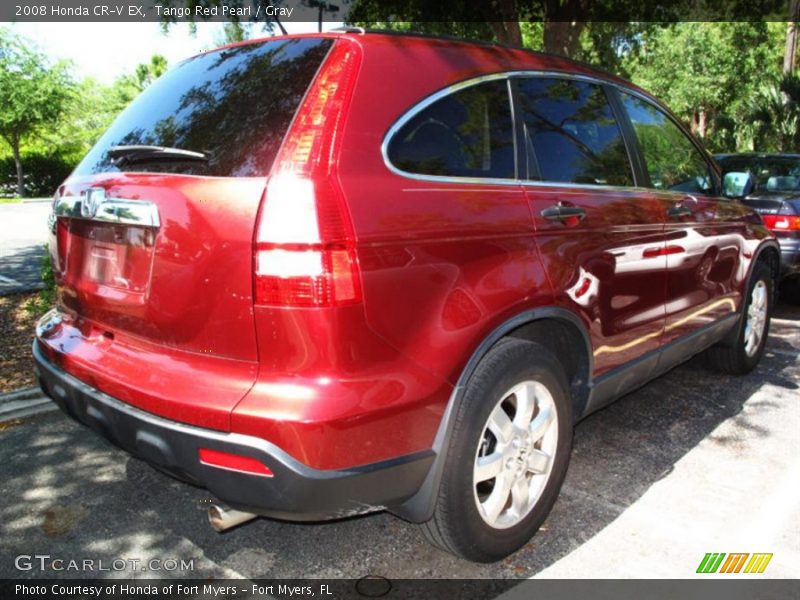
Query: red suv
[331,274]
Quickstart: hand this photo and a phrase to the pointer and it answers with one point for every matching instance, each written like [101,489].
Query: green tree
[233,31]
[790,47]
[127,87]
[87,113]
[566,23]
[773,115]
[147,73]
[704,70]
[33,95]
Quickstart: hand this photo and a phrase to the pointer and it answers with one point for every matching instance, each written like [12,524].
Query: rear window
[468,133]
[233,105]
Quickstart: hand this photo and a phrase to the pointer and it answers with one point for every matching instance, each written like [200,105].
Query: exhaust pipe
[222,518]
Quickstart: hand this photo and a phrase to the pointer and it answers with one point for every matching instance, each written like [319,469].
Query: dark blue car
[775,193]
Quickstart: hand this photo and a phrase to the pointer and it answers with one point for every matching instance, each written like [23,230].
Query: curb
[24,403]
[21,394]
[19,289]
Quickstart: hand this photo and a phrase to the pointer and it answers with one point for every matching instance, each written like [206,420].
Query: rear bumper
[295,492]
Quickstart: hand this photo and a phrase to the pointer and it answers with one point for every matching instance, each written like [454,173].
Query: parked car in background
[324,275]
[774,191]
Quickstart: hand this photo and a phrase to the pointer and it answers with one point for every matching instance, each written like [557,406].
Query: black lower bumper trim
[296,492]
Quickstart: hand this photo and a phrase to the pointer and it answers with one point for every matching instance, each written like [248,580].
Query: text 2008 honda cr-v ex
[331,274]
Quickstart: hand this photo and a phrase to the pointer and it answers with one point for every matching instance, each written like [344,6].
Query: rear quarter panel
[442,263]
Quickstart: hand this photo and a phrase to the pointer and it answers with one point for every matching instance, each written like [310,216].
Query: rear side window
[233,105]
[572,133]
[673,161]
[468,133]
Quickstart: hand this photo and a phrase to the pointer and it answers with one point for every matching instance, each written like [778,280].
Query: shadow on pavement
[68,493]
[23,267]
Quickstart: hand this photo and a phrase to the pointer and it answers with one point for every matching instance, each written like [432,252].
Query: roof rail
[474,42]
[350,29]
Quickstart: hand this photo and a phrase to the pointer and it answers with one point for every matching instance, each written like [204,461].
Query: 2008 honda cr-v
[331,274]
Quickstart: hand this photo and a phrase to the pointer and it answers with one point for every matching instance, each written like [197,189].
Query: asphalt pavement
[694,462]
[23,234]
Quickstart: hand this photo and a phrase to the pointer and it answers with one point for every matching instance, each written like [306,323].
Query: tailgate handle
[94,205]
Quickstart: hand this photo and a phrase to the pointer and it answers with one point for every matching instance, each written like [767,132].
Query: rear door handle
[676,212]
[559,212]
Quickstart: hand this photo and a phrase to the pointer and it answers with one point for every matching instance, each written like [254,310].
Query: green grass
[10,200]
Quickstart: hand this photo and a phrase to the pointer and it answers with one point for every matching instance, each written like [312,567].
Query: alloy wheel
[756,318]
[515,455]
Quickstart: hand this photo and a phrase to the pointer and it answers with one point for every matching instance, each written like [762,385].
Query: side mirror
[737,184]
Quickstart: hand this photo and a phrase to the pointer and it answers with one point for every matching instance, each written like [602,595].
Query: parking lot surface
[23,233]
[694,462]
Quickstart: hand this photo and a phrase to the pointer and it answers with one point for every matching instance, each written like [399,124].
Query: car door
[704,232]
[601,238]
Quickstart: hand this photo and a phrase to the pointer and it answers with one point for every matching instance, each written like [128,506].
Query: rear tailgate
[153,255]
[185,282]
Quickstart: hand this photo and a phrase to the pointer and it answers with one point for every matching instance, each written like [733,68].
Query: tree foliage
[772,114]
[233,31]
[127,87]
[33,94]
[731,81]
[705,70]
[48,120]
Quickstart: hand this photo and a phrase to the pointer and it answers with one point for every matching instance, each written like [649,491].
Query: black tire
[731,356]
[458,525]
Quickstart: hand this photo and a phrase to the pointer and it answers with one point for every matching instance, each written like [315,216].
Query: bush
[41,303]
[42,174]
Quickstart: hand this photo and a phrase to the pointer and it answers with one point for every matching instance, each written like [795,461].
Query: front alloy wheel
[742,350]
[756,318]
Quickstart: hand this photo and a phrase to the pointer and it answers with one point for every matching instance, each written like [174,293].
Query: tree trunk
[507,32]
[699,123]
[18,163]
[702,123]
[790,51]
[564,20]
[562,37]
[503,19]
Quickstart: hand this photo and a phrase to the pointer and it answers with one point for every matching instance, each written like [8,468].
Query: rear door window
[234,105]
[673,161]
[468,133]
[572,133]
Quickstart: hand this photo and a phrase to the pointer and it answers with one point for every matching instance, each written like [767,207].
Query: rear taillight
[782,222]
[305,248]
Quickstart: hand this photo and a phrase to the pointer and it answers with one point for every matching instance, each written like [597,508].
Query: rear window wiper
[131,154]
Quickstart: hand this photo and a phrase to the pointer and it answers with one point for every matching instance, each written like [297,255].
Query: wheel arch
[769,251]
[563,331]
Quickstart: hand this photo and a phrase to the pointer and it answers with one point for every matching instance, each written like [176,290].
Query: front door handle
[559,212]
[677,212]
